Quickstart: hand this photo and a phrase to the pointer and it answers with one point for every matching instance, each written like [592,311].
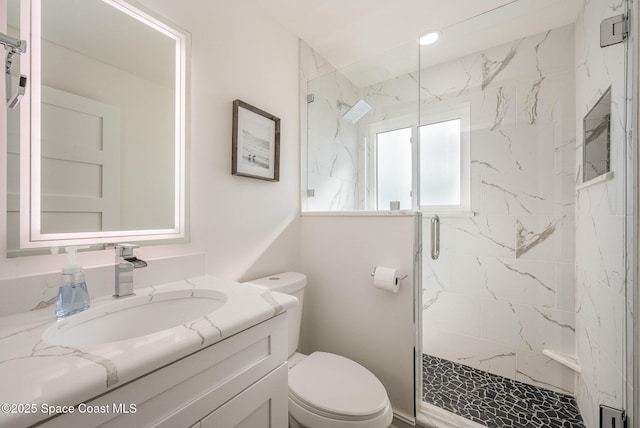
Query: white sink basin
[131,317]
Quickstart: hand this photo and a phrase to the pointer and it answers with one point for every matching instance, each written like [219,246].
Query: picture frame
[255,143]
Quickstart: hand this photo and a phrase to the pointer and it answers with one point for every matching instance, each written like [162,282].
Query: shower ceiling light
[429,38]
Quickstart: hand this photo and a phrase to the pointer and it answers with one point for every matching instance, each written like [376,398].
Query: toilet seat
[330,390]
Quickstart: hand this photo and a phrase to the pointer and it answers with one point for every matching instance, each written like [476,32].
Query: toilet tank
[292,283]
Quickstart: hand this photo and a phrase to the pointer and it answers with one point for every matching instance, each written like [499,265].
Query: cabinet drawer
[187,390]
[262,405]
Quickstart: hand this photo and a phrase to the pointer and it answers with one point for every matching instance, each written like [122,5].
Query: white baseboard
[401,421]
[430,416]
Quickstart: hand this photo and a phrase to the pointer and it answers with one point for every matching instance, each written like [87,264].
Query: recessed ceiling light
[429,38]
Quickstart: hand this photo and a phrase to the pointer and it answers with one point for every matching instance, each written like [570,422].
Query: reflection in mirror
[107,135]
[597,139]
[13,138]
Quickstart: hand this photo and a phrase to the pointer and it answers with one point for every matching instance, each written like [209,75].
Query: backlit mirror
[102,127]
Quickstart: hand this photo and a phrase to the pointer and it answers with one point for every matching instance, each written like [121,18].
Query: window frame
[461,111]
[428,116]
[371,167]
[377,170]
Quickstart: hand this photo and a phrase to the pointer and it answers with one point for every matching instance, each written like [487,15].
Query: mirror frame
[31,235]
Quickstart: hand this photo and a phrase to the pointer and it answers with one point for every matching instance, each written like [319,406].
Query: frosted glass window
[440,163]
[394,168]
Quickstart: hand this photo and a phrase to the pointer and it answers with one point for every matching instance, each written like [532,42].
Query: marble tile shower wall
[505,287]
[502,290]
[336,151]
[332,142]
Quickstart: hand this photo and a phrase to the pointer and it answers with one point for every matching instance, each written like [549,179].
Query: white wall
[239,53]
[344,313]
[600,222]
[246,228]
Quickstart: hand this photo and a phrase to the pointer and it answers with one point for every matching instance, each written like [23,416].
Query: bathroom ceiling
[373,40]
[345,31]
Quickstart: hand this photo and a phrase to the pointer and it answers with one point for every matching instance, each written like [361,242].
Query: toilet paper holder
[404,277]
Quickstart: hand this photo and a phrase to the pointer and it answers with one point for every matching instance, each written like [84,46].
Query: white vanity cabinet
[238,382]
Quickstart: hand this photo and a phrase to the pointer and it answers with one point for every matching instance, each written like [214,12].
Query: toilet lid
[337,385]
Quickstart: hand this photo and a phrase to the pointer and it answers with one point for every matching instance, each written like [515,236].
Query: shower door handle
[435,237]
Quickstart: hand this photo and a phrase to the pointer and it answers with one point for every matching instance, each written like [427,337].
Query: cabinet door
[263,404]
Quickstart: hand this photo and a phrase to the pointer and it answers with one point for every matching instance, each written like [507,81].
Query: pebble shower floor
[495,401]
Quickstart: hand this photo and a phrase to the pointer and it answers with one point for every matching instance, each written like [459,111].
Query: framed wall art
[256,143]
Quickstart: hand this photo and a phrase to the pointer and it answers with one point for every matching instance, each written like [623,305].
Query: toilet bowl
[326,390]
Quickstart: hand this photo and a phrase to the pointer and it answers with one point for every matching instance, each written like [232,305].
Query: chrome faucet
[126,262]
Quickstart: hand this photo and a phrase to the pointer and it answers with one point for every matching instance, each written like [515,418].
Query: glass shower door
[602,205]
[529,294]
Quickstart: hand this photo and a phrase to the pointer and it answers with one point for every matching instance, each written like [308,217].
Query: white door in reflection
[393,154]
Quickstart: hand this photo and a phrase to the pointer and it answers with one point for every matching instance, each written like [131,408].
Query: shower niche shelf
[564,359]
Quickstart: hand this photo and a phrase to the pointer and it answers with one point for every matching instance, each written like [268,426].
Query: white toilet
[326,390]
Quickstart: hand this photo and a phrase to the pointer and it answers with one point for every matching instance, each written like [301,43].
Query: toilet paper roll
[386,278]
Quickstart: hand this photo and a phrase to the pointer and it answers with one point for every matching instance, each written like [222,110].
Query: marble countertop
[37,375]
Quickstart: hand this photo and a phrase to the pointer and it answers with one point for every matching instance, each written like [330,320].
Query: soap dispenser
[73,296]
